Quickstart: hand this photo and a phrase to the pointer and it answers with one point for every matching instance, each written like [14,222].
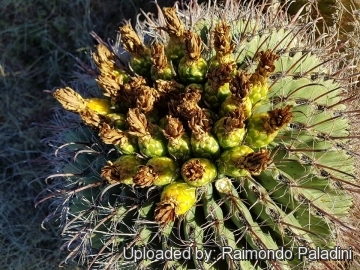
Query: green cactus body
[195,234]
[237,135]
[214,213]
[245,221]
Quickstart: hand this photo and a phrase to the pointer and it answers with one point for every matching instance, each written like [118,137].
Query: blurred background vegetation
[37,40]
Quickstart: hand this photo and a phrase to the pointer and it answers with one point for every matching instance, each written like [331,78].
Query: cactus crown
[226,131]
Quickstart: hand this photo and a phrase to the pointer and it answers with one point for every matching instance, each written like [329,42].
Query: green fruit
[159,171]
[152,146]
[206,146]
[229,160]
[180,148]
[264,127]
[122,170]
[192,67]
[178,141]
[230,131]
[217,88]
[198,172]
[192,71]
[176,199]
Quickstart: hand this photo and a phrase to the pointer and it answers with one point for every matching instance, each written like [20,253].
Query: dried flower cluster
[229,126]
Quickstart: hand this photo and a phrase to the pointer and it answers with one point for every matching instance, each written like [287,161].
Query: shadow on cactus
[217,129]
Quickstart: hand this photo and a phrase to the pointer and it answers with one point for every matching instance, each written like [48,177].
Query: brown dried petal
[174,128]
[165,212]
[168,86]
[69,99]
[174,26]
[136,83]
[131,41]
[235,119]
[158,57]
[266,63]
[255,163]
[137,122]
[110,174]
[193,170]
[145,176]
[278,118]
[109,84]
[187,105]
[193,45]
[91,118]
[221,75]
[200,123]
[146,99]
[111,135]
[222,39]
[240,85]
[103,58]
[168,90]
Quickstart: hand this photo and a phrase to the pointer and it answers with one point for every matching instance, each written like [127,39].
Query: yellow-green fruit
[174,51]
[258,93]
[192,71]
[214,62]
[181,195]
[118,120]
[215,97]
[198,172]
[257,136]
[123,169]
[165,167]
[152,146]
[124,77]
[99,105]
[229,161]
[231,103]
[228,138]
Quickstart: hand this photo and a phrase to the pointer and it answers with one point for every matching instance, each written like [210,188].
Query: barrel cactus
[218,130]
